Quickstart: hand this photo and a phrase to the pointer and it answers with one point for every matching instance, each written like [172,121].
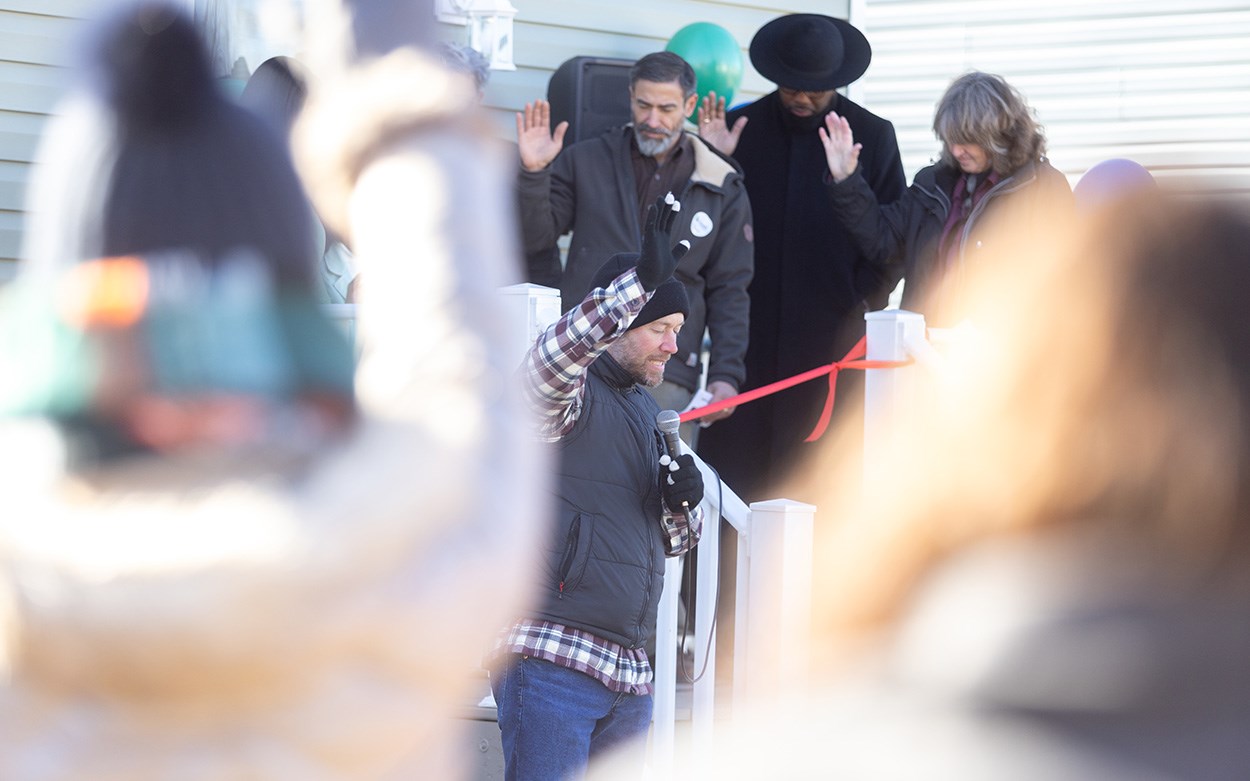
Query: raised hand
[537,145]
[659,258]
[841,151]
[712,126]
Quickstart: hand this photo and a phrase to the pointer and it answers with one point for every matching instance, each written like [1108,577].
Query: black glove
[659,258]
[681,481]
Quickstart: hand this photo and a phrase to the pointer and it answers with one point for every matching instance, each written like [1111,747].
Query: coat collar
[710,166]
[611,372]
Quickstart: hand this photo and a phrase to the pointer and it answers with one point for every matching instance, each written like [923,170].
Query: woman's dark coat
[903,236]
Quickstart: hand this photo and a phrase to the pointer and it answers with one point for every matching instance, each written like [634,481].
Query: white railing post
[664,709]
[718,502]
[742,613]
[529,309]
[890,332]
[707,579]
[779,599]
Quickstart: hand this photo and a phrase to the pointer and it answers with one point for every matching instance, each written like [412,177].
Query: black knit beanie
[669,297]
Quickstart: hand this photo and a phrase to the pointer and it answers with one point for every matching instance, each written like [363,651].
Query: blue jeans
[554,720]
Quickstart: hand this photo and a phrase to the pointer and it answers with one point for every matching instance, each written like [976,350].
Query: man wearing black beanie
[578,660]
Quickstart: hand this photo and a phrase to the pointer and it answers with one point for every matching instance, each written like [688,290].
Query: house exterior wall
[38,41]
[34,50]
[1164,83]
[1161,82]
[549,32]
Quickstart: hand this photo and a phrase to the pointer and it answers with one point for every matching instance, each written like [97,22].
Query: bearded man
[572,677]
[600,189]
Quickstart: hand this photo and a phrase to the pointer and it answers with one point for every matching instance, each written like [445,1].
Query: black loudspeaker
[591,94]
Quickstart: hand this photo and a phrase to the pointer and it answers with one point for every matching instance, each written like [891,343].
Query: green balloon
[715,56]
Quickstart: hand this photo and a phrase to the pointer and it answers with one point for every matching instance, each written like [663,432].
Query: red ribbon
[852,360]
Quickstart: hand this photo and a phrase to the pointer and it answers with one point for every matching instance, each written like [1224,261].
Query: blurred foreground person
[1054,584]
[217,560]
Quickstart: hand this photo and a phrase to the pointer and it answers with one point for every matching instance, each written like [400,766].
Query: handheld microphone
[669,422]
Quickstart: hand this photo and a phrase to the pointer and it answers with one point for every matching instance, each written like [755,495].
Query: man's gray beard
[650,147]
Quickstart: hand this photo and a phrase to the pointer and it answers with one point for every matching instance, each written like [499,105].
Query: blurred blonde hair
[1109,393]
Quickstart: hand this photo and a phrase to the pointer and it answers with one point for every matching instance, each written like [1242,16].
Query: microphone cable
[690,587]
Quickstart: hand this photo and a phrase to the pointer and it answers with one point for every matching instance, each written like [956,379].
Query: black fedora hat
[810,52]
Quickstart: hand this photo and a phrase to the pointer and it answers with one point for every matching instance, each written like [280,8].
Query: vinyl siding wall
[549,32]
[1164,83]
[34,51]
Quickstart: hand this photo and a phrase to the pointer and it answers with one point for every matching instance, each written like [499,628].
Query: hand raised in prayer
[712,127]
[537,145]
[841,151]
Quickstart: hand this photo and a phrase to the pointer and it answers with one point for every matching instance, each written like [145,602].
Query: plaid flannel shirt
[555,381]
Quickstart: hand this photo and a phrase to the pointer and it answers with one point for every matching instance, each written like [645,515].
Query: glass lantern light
[490,31]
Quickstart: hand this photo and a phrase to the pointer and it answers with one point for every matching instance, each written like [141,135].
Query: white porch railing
[772,623]
[889,332]
[897,335]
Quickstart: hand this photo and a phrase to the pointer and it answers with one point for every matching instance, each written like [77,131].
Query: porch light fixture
[490,31]
[451,11]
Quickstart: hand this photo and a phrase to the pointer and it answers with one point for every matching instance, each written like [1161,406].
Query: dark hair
[276,92]
[662,68]
[983,109]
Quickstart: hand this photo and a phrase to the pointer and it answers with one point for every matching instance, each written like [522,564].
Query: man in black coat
[812,285]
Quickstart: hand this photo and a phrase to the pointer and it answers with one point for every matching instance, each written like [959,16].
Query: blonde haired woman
[992,163]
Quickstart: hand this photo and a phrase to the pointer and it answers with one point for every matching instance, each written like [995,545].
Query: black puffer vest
[604,563]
